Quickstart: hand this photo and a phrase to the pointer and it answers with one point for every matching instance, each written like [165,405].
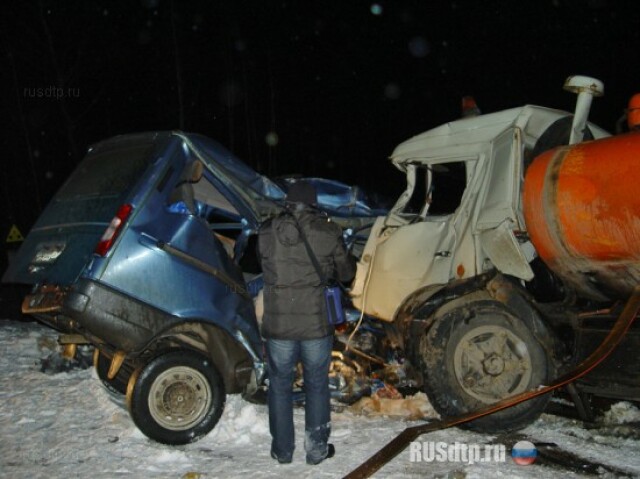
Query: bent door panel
[170,258]
[425,240]
[402,259]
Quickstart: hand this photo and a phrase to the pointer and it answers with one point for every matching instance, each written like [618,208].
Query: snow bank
[66,425]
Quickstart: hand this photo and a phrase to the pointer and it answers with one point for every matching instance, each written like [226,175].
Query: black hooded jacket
[294,305]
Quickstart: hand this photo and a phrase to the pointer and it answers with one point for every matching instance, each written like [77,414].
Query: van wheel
[117,385]
[177,398]
[477,353]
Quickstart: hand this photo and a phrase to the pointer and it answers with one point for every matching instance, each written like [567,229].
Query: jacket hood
[286,231]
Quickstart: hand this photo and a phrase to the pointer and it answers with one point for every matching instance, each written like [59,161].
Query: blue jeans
[282,357]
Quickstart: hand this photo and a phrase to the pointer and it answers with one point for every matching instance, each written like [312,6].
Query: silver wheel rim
[180,398]
[491,363]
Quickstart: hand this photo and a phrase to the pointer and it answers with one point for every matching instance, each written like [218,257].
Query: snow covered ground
[66,425]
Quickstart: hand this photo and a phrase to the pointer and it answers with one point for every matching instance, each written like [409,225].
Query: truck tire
[476,353]
[177,398]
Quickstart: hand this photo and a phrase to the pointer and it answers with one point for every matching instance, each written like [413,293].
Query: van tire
[477,353]
[177,398]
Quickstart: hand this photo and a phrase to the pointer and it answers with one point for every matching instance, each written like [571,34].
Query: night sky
[323,88]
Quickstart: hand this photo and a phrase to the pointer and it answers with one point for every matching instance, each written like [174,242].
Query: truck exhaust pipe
[586,88]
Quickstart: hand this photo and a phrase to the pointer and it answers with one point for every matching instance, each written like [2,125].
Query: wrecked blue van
[148,252]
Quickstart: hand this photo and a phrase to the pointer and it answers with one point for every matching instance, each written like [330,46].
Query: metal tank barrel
[582,210]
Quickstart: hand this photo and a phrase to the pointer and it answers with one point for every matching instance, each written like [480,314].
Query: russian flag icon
[524,453]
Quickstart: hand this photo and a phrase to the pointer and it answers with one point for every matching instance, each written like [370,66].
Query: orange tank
[582,211]
[633,112]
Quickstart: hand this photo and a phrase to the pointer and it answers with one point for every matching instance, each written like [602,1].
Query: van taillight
[113,230]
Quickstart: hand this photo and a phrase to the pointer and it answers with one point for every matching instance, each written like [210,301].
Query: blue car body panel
[136,270]
[176,259]
[339,199]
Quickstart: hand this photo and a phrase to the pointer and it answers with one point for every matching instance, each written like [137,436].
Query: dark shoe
[280,460]
[331,451]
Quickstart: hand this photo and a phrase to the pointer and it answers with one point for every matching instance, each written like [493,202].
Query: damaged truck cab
[471,270]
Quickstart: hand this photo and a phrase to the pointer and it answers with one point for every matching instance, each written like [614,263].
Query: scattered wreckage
[499,268]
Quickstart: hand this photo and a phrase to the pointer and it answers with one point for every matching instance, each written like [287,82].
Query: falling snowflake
[419,47]
[272,138]
[392,91]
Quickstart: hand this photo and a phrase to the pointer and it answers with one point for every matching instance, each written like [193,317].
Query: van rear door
[65,235]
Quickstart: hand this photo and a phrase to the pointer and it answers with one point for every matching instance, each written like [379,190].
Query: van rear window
[108,173]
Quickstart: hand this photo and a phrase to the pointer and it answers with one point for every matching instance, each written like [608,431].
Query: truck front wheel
[177,398]
[477,353]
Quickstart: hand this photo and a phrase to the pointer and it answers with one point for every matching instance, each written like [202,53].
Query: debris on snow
[622,412]
[66,424]
[409,408]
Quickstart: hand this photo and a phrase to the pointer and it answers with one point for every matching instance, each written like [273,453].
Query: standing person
[295,323]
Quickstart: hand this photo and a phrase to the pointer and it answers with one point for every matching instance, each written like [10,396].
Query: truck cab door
[421,242]
[500,210]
